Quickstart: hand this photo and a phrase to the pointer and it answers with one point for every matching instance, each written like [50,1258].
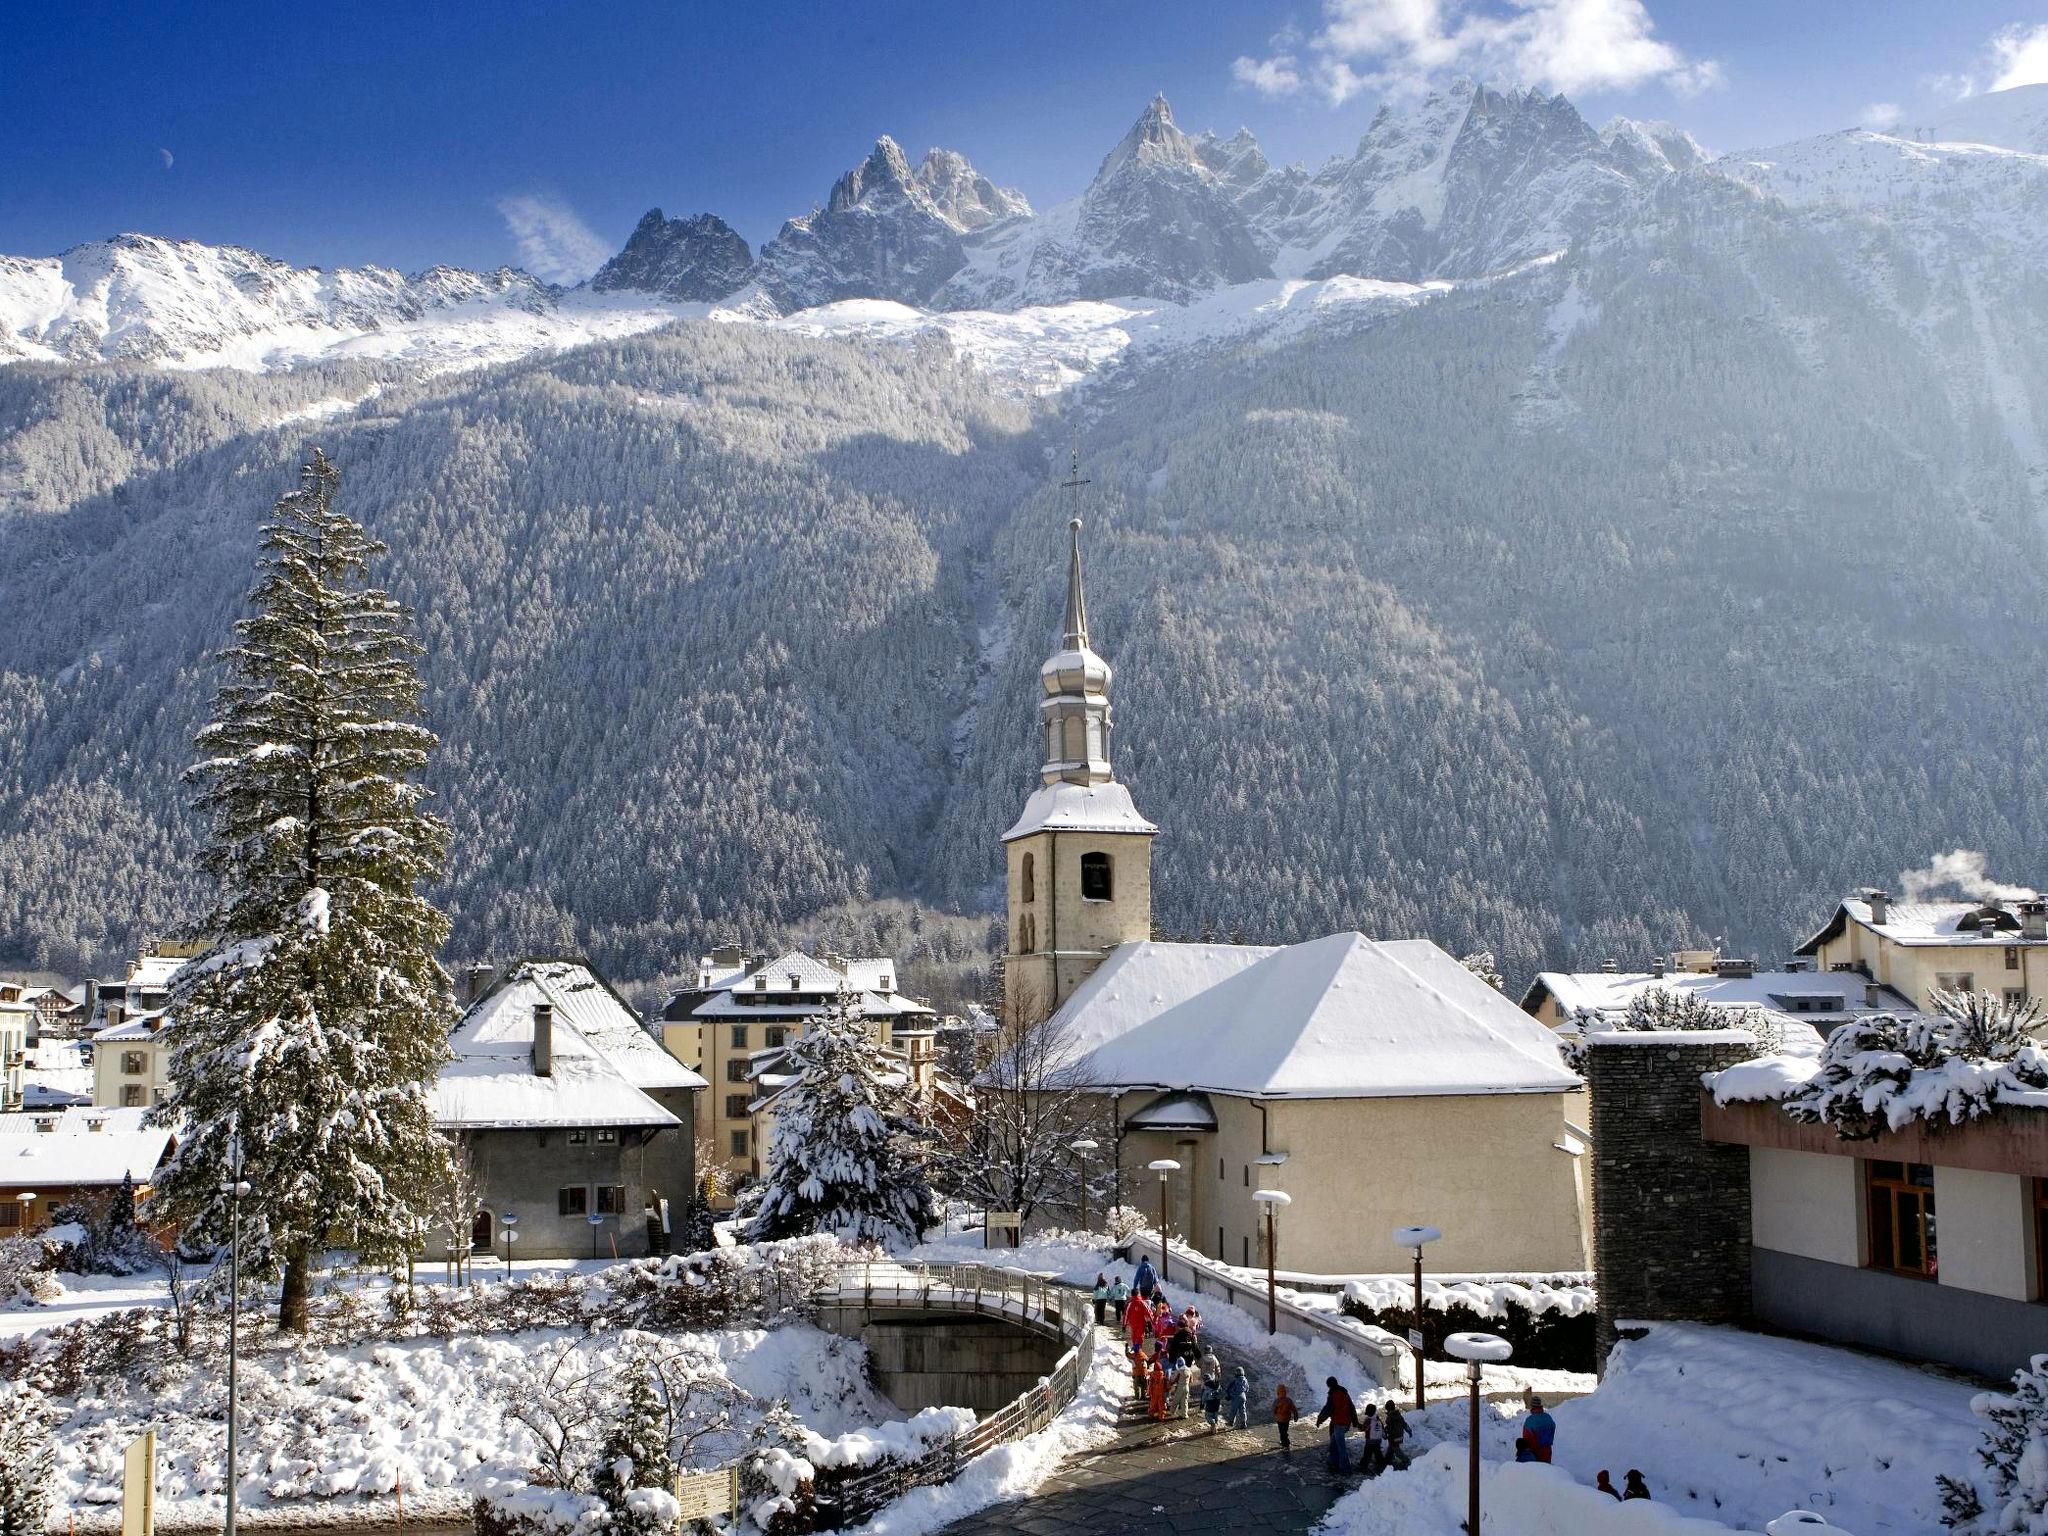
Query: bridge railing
[981,1288]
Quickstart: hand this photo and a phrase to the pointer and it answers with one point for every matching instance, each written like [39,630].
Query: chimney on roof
[1610,966]
[1871,995]
[2034,919]
[543,1039]
[727,955]
[836,960]
[1657,965]
[476,981]
[1880,904]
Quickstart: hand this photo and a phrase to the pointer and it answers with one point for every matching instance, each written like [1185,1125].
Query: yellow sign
[138,1487]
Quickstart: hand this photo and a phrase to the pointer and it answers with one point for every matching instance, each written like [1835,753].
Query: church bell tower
[1080,855]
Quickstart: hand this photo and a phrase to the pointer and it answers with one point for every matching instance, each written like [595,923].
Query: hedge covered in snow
[1549,1321]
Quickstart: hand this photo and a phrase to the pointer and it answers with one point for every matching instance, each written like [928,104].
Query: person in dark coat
[1340,1414]
[1143,1281]
[1606,1485]
[1633,1486]
[1525,1450]
[1395,1427]
[1371,1452]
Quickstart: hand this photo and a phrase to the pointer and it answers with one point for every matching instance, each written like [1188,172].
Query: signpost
[1011,1222]
[138,1486]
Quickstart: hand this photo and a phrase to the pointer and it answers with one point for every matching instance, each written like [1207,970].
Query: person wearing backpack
[1371,1449]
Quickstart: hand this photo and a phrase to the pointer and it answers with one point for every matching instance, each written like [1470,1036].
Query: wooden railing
[984,1289]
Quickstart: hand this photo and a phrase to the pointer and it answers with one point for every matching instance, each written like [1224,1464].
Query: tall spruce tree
[842,1160]
[311,1030]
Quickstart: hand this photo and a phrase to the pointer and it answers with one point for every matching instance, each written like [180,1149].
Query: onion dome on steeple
[1075,710]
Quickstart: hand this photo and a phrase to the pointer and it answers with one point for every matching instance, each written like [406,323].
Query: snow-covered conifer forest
[1656,560]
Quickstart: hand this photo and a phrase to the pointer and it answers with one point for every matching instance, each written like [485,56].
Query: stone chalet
[577,1121]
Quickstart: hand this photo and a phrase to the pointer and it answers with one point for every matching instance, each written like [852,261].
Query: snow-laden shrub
[2010,1492]
[1887,1071]
[1667,1009]
[103,1237]
[1551,1327]
[1124,1222]
[27,1460]
[25,1265]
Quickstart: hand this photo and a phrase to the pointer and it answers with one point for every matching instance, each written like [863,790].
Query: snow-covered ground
[1727,1427]
[322,1423]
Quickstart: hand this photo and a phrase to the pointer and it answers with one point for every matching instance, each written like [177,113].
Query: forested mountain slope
[1655,590]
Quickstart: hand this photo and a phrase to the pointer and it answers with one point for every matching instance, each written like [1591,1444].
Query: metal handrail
[717,1490]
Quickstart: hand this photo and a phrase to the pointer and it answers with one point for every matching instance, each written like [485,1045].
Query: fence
[1377,1350]
[1018,1298]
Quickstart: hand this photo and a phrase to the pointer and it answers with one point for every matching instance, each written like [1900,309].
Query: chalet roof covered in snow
[1337,1017]
[79,1148]
[1927,922]
[141,1026]
[1827,995]
[798,986]
[153,973]
[1067,807]
[602,1062]
[56,1073]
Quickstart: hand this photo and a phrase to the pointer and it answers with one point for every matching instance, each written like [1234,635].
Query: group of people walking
[1382,1431]
[1170,1364]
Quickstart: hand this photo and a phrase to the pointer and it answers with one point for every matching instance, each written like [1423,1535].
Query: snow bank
[898,1440]
[1529,1499]
[1741,1427]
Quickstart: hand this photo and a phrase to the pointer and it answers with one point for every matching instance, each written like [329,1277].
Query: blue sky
[439,132]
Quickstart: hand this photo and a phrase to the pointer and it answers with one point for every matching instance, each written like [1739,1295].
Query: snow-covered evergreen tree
[311,1029]
[2011,1494]
[842,1160]
[26,1461]
[1885,1071]
[635,1455]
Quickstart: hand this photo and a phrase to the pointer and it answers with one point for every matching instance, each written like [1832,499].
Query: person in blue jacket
[1144,1281]
[1540,1428]
[1237,1404]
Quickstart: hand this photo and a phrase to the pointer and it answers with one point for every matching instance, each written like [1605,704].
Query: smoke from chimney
[1962,868]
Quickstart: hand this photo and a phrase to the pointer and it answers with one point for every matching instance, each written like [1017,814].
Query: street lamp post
[1081,1149]
[1416,1238]
[1272,1200]
[507,1220]
[1163,1166]
[28,1201]
[235,1187]
[1477,1350]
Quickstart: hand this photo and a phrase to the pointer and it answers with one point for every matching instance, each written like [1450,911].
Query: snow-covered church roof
[603,1061]
[1336,1017]
[1067,807]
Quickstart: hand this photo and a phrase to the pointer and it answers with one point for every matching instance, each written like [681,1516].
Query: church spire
[1076,637]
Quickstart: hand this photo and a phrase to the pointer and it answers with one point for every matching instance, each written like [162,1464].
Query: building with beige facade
[1917,948]
[131,1053]
[1377,1084]
[739,1009]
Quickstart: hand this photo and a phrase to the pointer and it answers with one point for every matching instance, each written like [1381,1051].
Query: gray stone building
[576,1120]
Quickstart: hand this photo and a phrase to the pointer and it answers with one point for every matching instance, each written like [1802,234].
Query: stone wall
[1671,1233]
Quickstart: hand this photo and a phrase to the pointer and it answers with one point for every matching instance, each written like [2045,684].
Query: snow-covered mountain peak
[1657,143]
[967,198]
[2010,119]
[697,260]
[1153,137]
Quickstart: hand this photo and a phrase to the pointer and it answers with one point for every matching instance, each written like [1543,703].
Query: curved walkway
[1175,1479]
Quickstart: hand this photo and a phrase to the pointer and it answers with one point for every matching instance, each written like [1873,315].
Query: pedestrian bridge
[964,1335]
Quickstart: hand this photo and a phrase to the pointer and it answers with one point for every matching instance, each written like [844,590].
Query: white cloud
[1277,76]
[1406,45]
[1880,115]
[554,244]
[2021,56]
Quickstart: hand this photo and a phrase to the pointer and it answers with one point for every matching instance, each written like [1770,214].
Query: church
[1379,1084]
